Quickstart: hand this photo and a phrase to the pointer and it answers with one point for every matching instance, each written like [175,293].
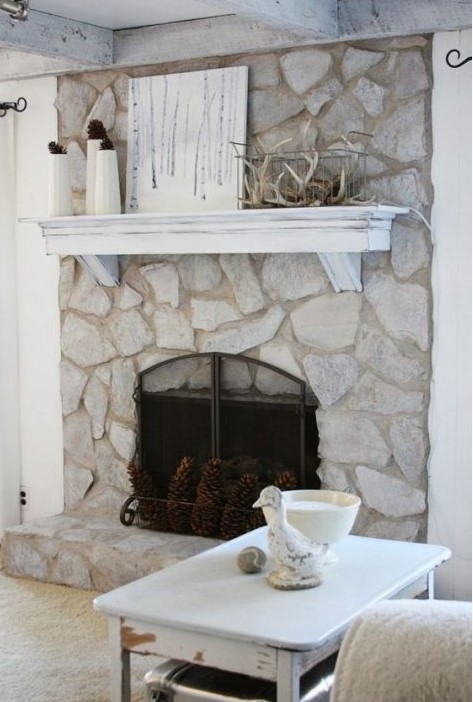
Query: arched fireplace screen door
[214,429]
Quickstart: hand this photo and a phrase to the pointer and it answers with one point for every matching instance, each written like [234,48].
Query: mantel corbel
[339,235]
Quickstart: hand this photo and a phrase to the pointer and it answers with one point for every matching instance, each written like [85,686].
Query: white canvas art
[180,133]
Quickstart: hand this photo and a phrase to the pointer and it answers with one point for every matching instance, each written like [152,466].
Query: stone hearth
[92,551]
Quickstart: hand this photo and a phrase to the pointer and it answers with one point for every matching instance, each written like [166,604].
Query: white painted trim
[337,234]
[38,312]
[325,229]
[343,270]
[31,446]
[103,269]
[450,417]
[10,451]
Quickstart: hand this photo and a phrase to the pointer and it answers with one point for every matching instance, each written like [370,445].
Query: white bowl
[325,516]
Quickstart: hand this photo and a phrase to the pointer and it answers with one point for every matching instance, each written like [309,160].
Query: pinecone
[180,496]
[286,480]
[55,148]
[256,519]
[159,519]
[106,144]
[142,486]
[207,511]
[140,480]
[237,511]
[96,130]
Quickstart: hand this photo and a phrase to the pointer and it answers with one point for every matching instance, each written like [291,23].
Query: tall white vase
[59,186]
[107,185]
[93,146]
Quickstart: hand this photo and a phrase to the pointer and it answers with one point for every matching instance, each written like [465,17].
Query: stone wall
[365,355]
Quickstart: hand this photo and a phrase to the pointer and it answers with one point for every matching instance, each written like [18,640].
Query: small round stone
[251,559]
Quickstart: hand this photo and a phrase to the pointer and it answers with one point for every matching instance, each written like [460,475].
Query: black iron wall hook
[456,65]
[18,106]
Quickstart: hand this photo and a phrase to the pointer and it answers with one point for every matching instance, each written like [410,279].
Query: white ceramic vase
[107,185]
[59,186]
[93,146]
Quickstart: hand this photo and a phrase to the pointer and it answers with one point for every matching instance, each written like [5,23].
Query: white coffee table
[206,611]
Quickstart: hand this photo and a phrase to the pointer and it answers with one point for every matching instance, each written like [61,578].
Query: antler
[339,197]
[303,181]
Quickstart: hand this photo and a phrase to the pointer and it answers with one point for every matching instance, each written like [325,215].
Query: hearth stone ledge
[92,552]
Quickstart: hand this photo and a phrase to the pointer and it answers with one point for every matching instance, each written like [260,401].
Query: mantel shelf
[338,234]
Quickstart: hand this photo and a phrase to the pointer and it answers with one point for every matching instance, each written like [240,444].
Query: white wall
[37,340]
[450,412]
[9,388]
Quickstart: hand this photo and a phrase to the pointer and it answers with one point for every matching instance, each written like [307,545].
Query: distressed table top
[208,594]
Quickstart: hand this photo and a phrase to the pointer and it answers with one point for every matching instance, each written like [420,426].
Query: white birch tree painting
[180,133]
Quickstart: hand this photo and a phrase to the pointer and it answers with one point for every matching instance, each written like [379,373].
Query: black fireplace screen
[214,429]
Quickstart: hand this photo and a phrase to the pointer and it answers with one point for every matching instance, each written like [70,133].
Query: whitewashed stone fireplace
[364,355]
[370,392]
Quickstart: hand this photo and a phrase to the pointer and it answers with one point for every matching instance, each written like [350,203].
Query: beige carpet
[54,646]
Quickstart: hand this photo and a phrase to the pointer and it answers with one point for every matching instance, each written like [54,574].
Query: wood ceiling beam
[218,36]
[376,19]
[316,16]
[63,46]
[49,35]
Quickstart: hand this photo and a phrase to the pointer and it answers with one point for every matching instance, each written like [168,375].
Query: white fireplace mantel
[339,235]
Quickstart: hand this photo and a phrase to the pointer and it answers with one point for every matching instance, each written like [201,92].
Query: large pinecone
[286,480]
[159,519]
[140,481]
[237,512]
[207,511]
[96,129]
[256,519]
[142,486]
[180,496]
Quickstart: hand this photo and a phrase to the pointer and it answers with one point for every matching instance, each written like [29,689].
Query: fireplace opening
[213,430]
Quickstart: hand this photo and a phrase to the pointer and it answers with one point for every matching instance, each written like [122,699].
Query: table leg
[287,677]
[119,664]
[430,585]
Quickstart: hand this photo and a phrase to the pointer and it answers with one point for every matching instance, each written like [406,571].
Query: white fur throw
[406,651]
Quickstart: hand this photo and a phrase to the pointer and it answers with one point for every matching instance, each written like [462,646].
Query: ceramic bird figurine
[298,560]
